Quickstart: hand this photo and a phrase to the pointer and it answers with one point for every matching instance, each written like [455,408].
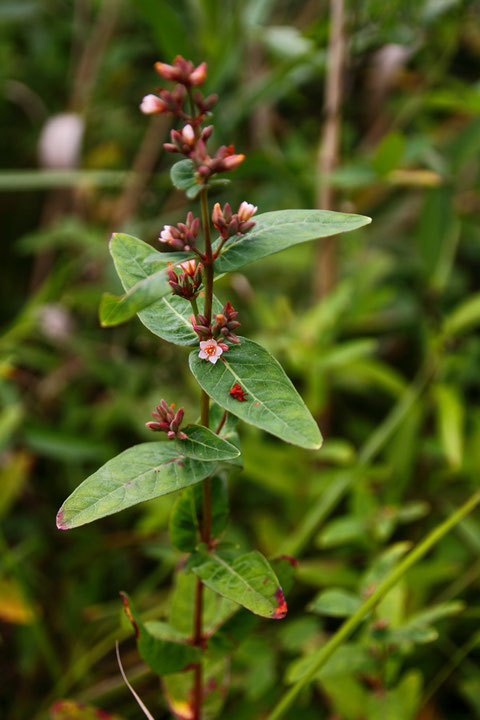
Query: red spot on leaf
[60,523]
[237,393]
[281,609]
[180,463]
[256,404]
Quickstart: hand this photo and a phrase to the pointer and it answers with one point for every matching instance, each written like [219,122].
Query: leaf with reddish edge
[73,710]
[162,656]
[140,473]
[248,580]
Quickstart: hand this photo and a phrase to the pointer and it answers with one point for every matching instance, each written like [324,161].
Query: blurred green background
[388,359]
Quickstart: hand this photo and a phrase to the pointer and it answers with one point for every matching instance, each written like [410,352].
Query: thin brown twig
[325,264]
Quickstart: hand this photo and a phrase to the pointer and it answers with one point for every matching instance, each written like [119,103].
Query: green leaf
[465,316]
[168,317]
[232,632]
[216,609]
[185,519]
[140,473]
[161,656]
[272,403]
[335,603]
[183,178]
[116,309]
[203,444]
[247,580]
[450,422]
[285,568]
[275,231]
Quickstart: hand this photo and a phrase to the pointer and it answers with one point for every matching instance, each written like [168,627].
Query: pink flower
[210,350]
[189,267]
[246,210]
[166,234]
[151,104]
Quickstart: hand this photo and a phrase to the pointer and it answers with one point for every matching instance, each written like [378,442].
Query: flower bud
[152,104]
[198,76]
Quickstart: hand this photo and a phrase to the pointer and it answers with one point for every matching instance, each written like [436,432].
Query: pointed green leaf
[185,519]
[247,580]
[203,444]
[162,656]
[275,231]
[272,402]
[140,473]
[168,317]
[116,309]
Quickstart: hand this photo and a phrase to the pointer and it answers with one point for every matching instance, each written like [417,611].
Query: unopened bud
[198,76]
[152,104]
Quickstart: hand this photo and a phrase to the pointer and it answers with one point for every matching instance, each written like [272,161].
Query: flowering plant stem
[249,385]
[350,625]
[207,492]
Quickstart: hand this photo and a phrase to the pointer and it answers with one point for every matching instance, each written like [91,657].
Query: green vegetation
[383,607]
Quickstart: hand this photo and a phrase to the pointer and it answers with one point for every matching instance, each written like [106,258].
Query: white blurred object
[61,141]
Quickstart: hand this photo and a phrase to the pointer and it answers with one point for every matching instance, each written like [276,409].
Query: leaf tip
[281,609]
[61,524]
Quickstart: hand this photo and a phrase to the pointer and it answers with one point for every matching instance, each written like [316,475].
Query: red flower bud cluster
[188,282]
[167,420]
[183,235]
[192,139]
[229,224]
[224,324]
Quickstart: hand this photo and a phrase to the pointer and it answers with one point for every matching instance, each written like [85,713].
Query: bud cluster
[229,224]
[224,324]
[188,282]
[192,139]
[167,420]
[183,235]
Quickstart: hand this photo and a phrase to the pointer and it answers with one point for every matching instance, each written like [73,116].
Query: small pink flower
[166,234]
[189,267]
[246,210]
[210,350]
[151,104]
